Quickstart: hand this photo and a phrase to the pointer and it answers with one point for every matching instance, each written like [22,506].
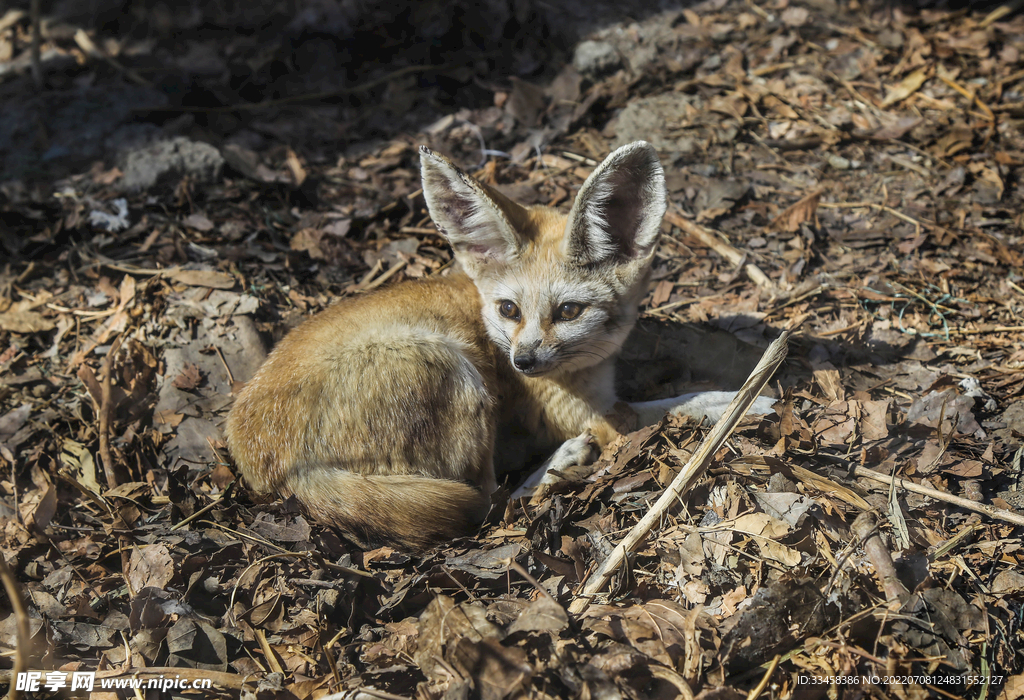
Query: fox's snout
[524,358]
[538,356]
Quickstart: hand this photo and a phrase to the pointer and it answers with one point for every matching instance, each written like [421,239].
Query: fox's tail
[410,511]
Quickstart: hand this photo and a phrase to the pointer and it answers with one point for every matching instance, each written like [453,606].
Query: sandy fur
[381,413]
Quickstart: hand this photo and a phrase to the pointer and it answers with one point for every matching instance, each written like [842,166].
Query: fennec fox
[385,413]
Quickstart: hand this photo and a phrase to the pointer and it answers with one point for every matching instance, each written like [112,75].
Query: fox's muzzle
[524,358]
[526,362]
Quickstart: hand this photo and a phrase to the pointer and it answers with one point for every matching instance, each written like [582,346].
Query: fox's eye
[509,310]
[569,311]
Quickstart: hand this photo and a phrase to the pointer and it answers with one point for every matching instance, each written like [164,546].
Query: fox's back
[446,305]
[389,370]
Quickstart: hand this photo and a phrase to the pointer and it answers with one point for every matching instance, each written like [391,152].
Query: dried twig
[37,40]
[273,661]
[231,377]
[224,495]
[721,247]
[105,410]
[359,693]
[984,509]
[972,97]
[387,275]
[865,527]
[694,468]
[996,15]
[888,210]
[21,621]
[85,43]
[752,695]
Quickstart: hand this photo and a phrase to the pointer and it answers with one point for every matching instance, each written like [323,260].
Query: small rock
[649,119]
[1013,416]
[971,489]
[595,58]
[166,161]
[890,38]
[837,162]
[795,16]
[114,222]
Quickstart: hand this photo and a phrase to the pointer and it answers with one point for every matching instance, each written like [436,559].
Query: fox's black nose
[525,363]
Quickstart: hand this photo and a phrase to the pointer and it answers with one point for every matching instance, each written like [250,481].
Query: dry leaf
[199,222]
[188,379]
[75,456]
[907,87]
[794,16]
[296,169]
[542,615]
[21,318]
[38,507]
[203,278]
[828,378]
[150,566]
[308,239]
[990,177]
[13,421]
[526,103]
[796,214]
[765,528]
[168,417]
[662,293]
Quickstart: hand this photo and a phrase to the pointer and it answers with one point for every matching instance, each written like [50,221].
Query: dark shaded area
[233,72]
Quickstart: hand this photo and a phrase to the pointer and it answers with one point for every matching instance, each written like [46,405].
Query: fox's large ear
[618,211]
[479,223]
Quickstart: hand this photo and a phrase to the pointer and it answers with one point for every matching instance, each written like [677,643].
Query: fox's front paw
[570,456]
[571,461]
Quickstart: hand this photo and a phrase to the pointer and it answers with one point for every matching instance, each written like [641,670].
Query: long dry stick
[36,58]
[105,410]
[719,246]
[765,679]
[694,468]
[21,622]
[865,527]
[983,508]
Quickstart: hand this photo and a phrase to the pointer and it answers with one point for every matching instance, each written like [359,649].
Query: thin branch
[105,410]
[865,527]
[716,244]
[698,463]
[21,621]
[983,508]
[224,495]
[752,695]
[37,40]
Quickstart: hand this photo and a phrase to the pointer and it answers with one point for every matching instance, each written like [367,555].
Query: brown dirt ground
[849,172]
